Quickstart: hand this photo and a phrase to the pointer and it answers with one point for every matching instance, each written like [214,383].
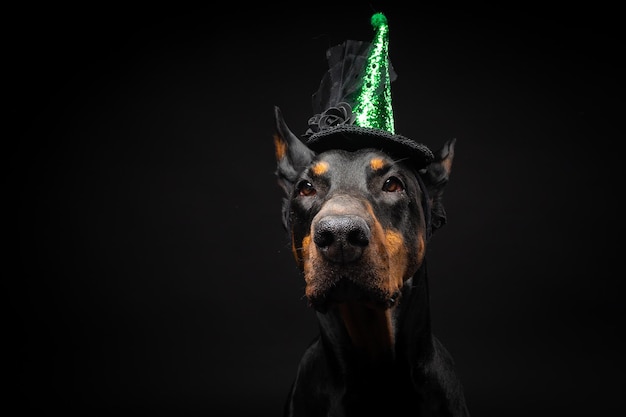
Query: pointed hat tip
[378,20]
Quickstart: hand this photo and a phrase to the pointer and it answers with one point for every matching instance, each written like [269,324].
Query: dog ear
[435,178]
[292,156]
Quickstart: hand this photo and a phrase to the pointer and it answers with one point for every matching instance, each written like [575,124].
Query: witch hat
[353,102]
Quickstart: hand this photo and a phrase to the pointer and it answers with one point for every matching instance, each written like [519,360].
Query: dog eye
[393,185]
[306,189]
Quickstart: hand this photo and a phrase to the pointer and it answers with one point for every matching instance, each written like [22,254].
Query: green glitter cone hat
[353,103]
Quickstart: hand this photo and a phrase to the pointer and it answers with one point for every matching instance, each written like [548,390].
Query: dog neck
[378,337]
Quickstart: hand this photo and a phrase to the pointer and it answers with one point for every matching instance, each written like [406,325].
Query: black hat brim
[352,138]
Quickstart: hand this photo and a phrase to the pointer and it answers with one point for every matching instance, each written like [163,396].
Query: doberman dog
[359,222]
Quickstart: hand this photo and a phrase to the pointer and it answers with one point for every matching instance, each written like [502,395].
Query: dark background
[150,274]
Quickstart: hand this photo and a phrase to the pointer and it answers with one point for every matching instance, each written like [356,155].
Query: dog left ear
[435,178]
[292,156]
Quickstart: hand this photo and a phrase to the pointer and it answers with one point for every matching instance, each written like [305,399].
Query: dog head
[359,220]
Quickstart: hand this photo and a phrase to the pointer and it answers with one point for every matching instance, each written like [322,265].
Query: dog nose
[341,238]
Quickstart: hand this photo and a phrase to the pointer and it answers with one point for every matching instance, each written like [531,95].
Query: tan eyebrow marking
[320,168]
[377,163]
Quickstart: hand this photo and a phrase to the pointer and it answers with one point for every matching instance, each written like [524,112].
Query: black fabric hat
[353,103]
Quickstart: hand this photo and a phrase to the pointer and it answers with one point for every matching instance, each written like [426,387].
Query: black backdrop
[150,272]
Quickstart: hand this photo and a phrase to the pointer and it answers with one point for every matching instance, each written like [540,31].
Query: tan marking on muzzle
[313,263]
[391,255]
[310,257]
[384,260]
[397,259]
[300,253]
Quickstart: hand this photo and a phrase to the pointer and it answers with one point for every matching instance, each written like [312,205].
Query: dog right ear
[436,177]
[292,156]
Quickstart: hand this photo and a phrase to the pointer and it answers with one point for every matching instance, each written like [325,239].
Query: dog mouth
[348,291]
